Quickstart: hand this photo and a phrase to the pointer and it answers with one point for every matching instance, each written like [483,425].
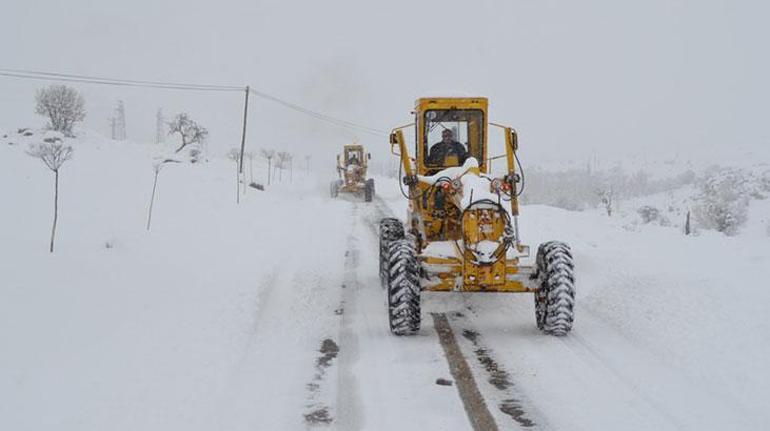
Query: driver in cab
[440,151]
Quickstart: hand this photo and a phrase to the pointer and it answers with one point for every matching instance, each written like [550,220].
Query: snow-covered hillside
[268,314]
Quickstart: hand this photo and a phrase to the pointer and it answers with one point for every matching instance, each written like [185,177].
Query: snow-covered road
[270,315]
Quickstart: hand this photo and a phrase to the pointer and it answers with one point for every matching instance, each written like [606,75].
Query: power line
[66,77]
[119,83]
[131,81]
[320,116]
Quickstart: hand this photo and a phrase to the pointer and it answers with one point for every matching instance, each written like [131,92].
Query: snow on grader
[461,232]
[351,167]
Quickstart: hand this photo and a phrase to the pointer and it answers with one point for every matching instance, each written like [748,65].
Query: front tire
[391,229]
[369,190]
[555,298]
[403,288]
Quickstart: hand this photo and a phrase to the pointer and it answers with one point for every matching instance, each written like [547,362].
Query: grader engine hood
[353,174]
[487,233]
[468,184]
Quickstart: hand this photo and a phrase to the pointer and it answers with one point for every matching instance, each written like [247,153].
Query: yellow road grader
[351,168]
[461,232]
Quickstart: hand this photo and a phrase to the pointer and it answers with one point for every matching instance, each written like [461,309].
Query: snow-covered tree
[120,121]
[53,155]
[189,131]
[62,105]
[607,197]
[160,132]
[723,201]
[579,188]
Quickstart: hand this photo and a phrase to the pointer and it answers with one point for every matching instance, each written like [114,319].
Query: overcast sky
[605,77]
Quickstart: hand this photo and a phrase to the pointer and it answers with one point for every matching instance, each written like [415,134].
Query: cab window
[353,154]
[447,132]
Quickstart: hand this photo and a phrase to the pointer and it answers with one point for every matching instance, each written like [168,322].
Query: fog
[575,78]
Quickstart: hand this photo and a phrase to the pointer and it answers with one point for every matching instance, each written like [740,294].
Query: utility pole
[243,135]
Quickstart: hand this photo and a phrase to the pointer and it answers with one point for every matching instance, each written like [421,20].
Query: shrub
[648,214]
[723,201]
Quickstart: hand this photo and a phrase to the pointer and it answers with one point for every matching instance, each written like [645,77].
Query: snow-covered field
[268,314]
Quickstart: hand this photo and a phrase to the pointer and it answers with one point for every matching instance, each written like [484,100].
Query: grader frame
[352,167]
[453,241]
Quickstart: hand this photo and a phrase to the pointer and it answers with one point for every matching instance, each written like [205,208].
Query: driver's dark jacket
[440,151]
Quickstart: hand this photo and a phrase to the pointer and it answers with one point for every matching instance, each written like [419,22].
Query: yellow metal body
[351,167]
[438,220]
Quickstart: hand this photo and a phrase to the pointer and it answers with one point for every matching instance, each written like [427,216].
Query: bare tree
[53,155]
[156,167]
[268,154]
[284,157]
[607,196]
[235,155]
[291,168]
[190,131]
[63,106]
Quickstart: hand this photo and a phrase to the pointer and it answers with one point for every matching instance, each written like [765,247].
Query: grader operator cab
[351,168]
[461,232]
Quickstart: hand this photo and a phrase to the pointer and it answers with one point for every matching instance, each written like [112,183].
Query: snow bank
[120,320]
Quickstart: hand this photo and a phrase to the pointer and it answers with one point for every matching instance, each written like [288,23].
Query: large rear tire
[369,190]
[555,298]
[391,229]
[335,188]
[403,288]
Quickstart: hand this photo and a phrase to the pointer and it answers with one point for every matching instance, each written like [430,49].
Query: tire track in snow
[475,405]
[348,394]
[319,408]
[498,377]
[234,382]
[511,401]
[318,411]
[581,347]
[296,310]
[336,360]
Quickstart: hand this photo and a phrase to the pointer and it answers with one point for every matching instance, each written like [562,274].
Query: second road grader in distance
[351,167]
[459,236]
